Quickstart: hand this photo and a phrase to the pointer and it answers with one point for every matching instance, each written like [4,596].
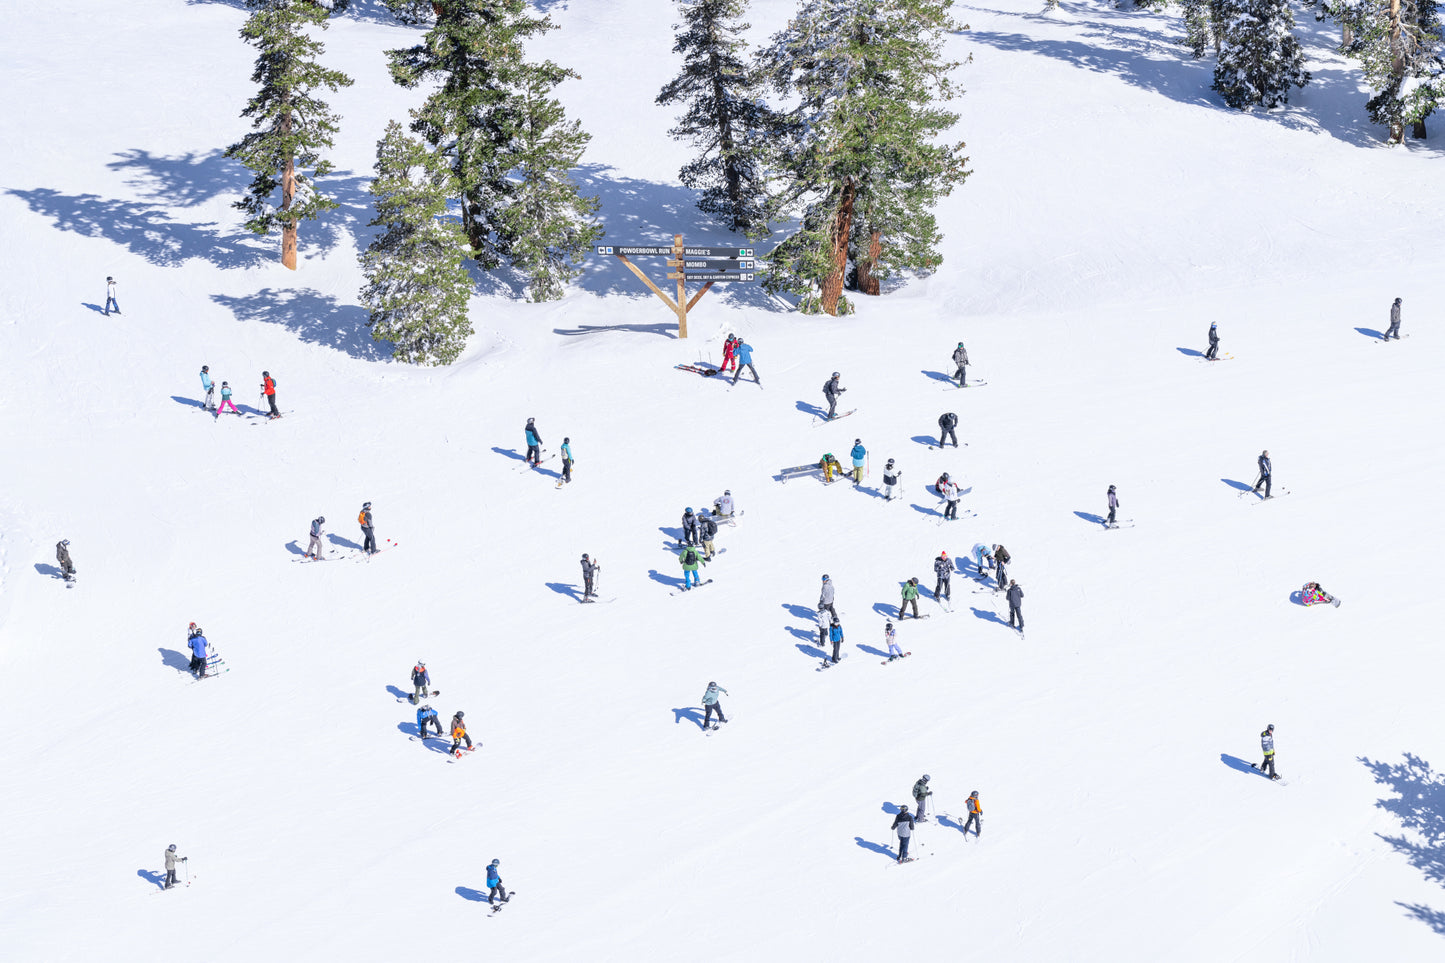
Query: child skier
[890,636]
[729,346]
[226,399]
[459,735]
[835,636]
[890,481]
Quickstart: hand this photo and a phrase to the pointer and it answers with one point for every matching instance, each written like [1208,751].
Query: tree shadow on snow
[1091,518]
[476,896]
[151,876]
[565,588]
[1238,485]
[335,539]
[311,316]
[174,660]
[879,848]
[689,713]
[988,615]
[938,376]
[49,570]
[1190,352]
[1418,802]
[1372,333]
[188,402]
[1238,764]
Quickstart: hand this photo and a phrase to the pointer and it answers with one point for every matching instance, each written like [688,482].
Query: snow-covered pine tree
[1203,25]
[1398,44]
[726,119]
[291,125]
[546,224]
[1260,59]
[869,76]
[417,283]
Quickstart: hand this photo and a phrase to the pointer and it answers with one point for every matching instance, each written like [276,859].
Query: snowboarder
[62,555]
[982,559]
[723,505]
[1266,473]
[946,423]
[710,704]
[210,386]
[890,636]
[171,857]
[910,594]
[706,532]
[729,349]
[459,733]
[825,597]
[1015,596]
[903,826]
[831,391]
[860,456]
[368,530]
[690,558]
[1213,351]
[268,388]
[426,717]
[421,682]
[1314,593]
[1266,742]
[743,358]
[951,494]
[589,572]
[835,636]
[829,464]
[494,882]
[960,359]
[921,792]
[1001,558]
[534,443]
[226,399]
[110,301]
[1113,505]
[975,814]
[313,547]
[689,527]
[943,568]
[1394,329]
[199,652]
[890,480]
[566,462]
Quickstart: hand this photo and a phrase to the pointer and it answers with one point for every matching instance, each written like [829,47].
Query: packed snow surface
[1115,210]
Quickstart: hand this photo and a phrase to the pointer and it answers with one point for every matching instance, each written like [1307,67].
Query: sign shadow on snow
[1238,485]
[151,876]
[174,660]
[565,588]
[476,896]
[668,329]
[1418,802]
[1367,332]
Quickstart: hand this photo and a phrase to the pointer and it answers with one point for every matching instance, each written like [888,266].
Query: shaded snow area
[1116,209]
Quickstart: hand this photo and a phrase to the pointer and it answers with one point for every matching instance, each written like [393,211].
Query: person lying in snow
[1313,594]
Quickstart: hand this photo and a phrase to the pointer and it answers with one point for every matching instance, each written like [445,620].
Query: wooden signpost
[706,264]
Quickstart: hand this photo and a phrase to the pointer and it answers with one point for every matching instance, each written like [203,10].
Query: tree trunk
[1397,68]
[832,286]
[1418,131]
[725,147]
[867,283]
[288,194]
[1347,35]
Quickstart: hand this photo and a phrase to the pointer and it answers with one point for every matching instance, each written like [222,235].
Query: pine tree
[1203,25]
[417,283]
[859,163]
[1260,59]
[291,126]
[1398,44]
[725,119]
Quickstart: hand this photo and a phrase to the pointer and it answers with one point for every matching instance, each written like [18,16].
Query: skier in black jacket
[946,423]
[943,568]
[831,391]
[1213,351]
[1266,472]
[1113,505]
[890,480]
[903,826]
[689,528]
[589,570]
[1015,598]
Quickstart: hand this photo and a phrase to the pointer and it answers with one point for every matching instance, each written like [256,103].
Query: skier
[197,644]
[459,734]
[566,462]
[1394,329]
[706,532]
[960,358]
[825,597]
[110,300]
[729,347]
[1213,351]
[690,558]
[903,826]
[946,423]
[951,495]
[1314,593]
[421,681]
[313,548]
[975,814]
[829,464]
[368,530]
[743,358]
[891,637]
[426,717]
[1266,473]
[1015,598]
[921,792]
[1266,742]
[494,882]
[689,527]
[910,594]
[890,481]
[1113,506]
[226,399]
[1001,558]
[982,559]
[860,455]
[62,555]
[589,572]
[534,443]
[938,485]
[831,391]
[943,568]
[171,857]
[268,388]
[723,505]
[210,387]
[835,636]
[710,704]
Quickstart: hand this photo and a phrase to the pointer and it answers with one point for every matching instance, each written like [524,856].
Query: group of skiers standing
[268,391]
[905,823]
[368,533]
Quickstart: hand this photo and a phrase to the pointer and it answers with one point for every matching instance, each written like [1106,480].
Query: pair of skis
[823,419]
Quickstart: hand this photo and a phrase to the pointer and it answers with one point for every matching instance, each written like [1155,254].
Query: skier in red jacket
[268,388]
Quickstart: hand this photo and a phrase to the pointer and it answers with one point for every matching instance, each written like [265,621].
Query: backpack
[361,517]
[690,557]
[828,386]
[938,486]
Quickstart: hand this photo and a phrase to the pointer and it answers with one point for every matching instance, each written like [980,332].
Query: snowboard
[1383,340]
[1279,779]
[1121,523]
[413,699]
[497,907]
[829,663]
[971,384]
[709,730]
[699,585]
[589,601]
[895,658]
[902,618]
[463,751]
[364,557]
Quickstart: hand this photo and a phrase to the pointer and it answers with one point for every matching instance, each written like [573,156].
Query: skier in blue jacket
[534,443]
[199,653]
[426,717]
[835,635]
[859,454]
[210,387]
[743,353]
[494,882]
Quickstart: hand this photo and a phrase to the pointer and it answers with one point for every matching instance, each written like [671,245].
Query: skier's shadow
[1238,485]
[1088,517]
[872,651]
[923,510]
[188,402]
[798,633]
[565,588]
[929,440]
[944,819]
[397,692]
[49,570]
[812,651]
[875,847]
[476,896]
[813,410]
[668,580]
[1297,598]
[889,610]
[94,307]
[343,542]
[673,533]
[689,713]
[150,875]
[1238,764]
[510,453]
[1190,352]
[1367,332]
[988,615]
[174,659]
[294,547]
[891,809]
[938,376]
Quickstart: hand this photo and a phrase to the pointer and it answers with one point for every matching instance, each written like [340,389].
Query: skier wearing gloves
[494,882]
[943,568]
[890,480]
[711,704]
[226,399]
[313,548]
[946,423]
[690,558]
[982,560]
[1266,742]
[421,682]
[566,462]
[368,529]
[903,826]
[951,494]
[1213,352]
[199,651]
[589,572]
[1394,329]
[860,456]
[975,815]
[210,387]
[960,360]
[921,792]
[1266,473]
[62,555]
[706,532]
[890,636]
[689,527]
[910,595]
[459,734]
[743,358]
[268,388]
[534,443]
[1015,596]
[1113,505]
[826,596]
[729,349]
[835,636]
[723,506]
[1001,559]
[426,717]
[832,390]
[171,859]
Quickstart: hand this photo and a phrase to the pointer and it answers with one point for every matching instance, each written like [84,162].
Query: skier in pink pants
[226,399]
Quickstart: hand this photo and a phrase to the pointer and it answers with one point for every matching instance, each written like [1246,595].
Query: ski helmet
[890,462]
[835,620]
[1397,300]
[960,344]
[109,278]
[1111,488]
[265,374]
[925,777]
[1269,728]
[322,519]
[421,663]
[566,441]
[903,809]
[857,441]
[825,578]
[65,542]
[171,848]
[530,420]
[225,384]
[974,793]
[727,491]
[495,862]
[712,685]
[837,375]
[687,511]
[584,555]
[889,625]
[945,476]
[205,367]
